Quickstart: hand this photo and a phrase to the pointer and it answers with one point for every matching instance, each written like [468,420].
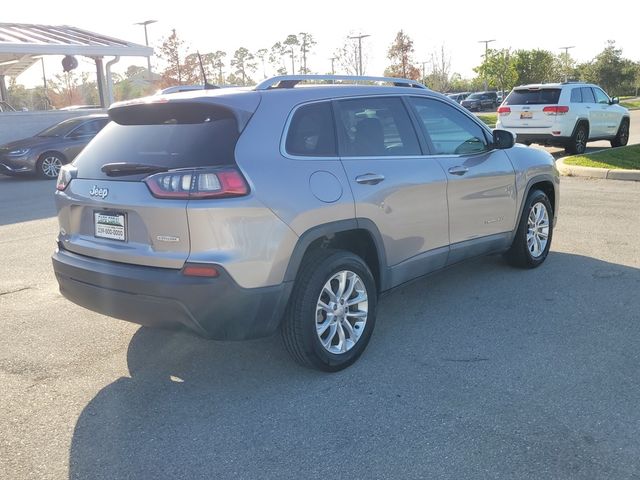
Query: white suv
[564,115]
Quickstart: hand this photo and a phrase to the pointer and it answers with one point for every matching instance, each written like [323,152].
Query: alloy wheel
[341,312]
[537,229]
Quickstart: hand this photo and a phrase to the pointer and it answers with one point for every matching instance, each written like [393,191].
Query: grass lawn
[614,158]
[633,105]
[489,118]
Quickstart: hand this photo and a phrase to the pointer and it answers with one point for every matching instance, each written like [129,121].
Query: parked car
[178,89]
[81,107]
[564,115]
[457,97]
[481,101]
[44,153]
[238,212]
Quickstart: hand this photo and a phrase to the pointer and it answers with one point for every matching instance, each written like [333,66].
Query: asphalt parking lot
[481,371]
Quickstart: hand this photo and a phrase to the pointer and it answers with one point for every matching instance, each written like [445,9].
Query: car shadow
[26,198]
[558,153]
[445,348]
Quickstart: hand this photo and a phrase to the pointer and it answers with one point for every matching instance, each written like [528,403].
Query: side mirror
[614,101]
[503,139]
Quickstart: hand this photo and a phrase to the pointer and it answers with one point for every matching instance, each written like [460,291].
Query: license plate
[525,115]
[110,225]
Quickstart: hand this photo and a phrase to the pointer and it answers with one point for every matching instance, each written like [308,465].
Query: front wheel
[622,137]
[332,311]
[532,241]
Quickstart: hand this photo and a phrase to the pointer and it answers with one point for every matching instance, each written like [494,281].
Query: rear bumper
[157,297]
[542,139]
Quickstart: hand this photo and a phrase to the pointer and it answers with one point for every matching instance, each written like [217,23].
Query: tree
[440,63]
[347,57]
[243,63]
[565,68]
[498,69]
[263,55]
[459,84]
[217,63]
[534,66]
[172,52]
[401,55]
[191,71]
[277,58]
[289,43]
[615,74]
[306,44]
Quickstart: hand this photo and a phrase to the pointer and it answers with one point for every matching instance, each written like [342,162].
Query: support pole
[100,81]
[3,89]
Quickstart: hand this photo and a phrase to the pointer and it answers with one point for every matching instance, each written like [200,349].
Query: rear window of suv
[164,135]
[541,96]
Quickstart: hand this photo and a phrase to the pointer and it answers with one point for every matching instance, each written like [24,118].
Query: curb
[592,172]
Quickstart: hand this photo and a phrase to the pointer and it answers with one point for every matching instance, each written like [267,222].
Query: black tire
[300,321]
[622,137]
[520,254]
[578,142]
[49,165]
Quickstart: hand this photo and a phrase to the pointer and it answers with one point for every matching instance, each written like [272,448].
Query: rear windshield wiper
[123,169]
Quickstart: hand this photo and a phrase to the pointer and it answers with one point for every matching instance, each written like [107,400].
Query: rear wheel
[622,137]
[49,165]
[332,311]
[578,142]
[532,241]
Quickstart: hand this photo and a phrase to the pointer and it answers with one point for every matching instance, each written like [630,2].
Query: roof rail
[290,81]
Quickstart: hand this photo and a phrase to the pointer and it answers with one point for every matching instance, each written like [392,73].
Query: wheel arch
[546,184]
[581,121]
[54,152]
[359,236]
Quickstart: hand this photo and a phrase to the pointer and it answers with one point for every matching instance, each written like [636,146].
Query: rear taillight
[67,173]
[198,183]
[504,111]
[555,110]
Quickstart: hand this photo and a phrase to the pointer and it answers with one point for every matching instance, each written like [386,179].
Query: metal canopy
[21,42]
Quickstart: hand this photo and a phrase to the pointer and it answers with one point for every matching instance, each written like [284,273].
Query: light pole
[566,62]
[424,71]
[359,37]
[486,55]
[146,42]
[333,70]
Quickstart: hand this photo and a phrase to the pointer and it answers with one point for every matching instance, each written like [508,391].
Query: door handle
[458,170]
[369,178]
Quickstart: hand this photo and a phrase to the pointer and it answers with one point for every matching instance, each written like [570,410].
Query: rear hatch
[532,107]
[108,209]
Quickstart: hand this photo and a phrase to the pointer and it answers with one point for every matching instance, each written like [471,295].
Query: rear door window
[375,127]
[541,96]
[587,95]
[311,132]
[576,95]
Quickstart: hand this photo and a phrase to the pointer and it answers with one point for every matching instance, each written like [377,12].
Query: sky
[458,27]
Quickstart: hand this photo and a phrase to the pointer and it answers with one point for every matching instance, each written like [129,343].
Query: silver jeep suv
[237,212]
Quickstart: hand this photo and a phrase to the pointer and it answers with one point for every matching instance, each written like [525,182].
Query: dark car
[45,152]
[458,97]
[480,101]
